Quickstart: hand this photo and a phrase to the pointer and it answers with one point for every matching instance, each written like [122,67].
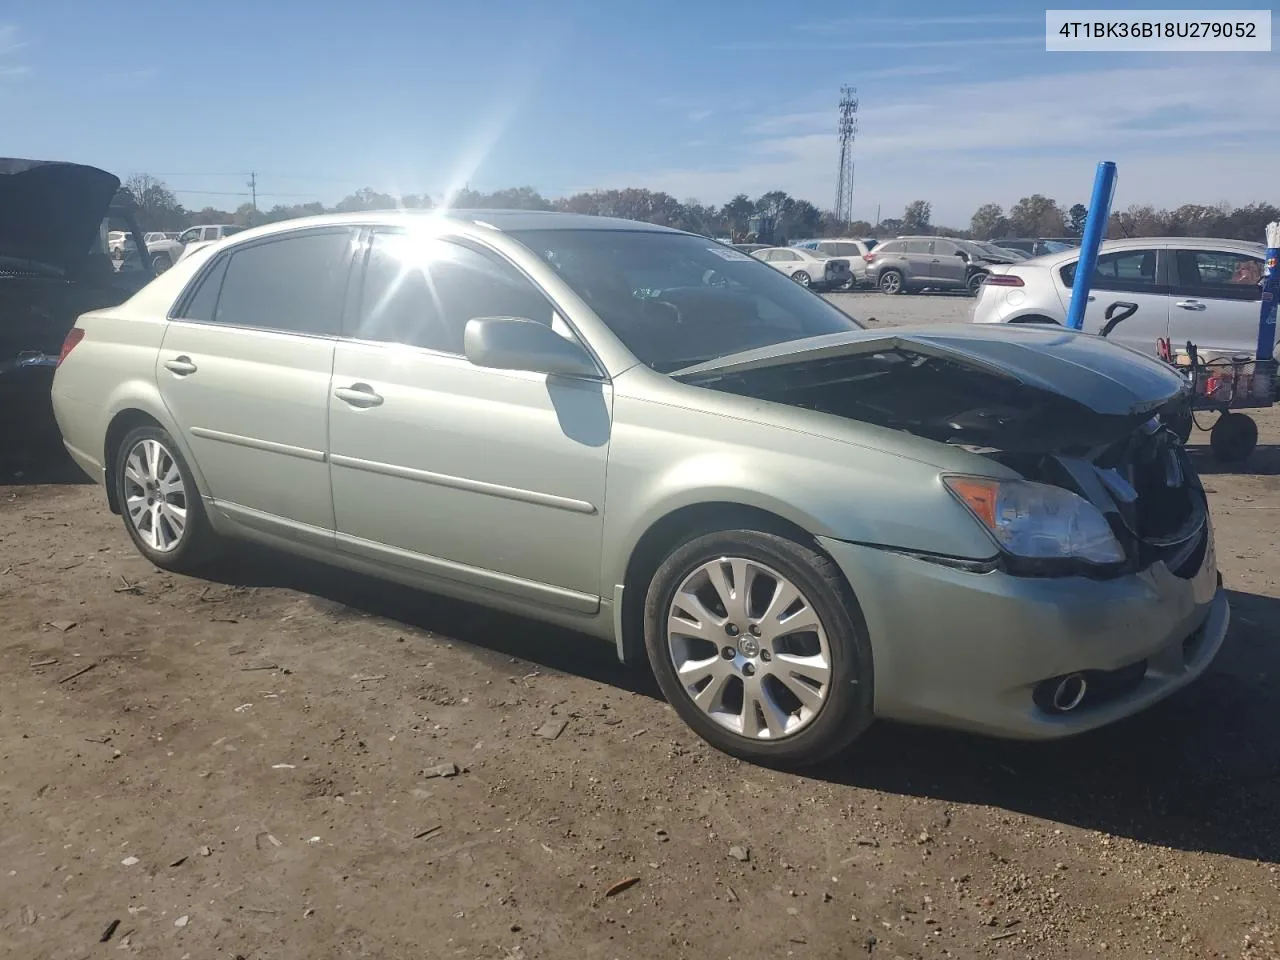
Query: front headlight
[1036,521]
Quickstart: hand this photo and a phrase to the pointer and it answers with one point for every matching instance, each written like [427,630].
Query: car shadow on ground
[1199,771]
[23,463]
[497,637]
[1264,461]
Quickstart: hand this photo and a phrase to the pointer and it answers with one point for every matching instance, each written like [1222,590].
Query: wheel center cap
[749,647]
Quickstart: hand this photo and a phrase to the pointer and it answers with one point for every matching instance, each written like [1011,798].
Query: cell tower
[848,131]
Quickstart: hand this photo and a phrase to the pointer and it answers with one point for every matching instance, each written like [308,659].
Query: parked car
[853,250]
[55,221]
[1180,288]
[912,264]
[749,247]
[807,267]
[999,254]
[1038,247]
[659,442]
[207,232]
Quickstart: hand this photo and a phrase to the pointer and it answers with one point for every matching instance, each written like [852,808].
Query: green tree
[366,198]
[737,212]
[989,222]
[1076,218]
[915,219]
[154,204]
[1036,216]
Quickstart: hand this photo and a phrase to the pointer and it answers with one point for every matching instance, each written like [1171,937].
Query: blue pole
[1095,228]
[1270,295]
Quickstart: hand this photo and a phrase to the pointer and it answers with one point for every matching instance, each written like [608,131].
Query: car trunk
[1056,407]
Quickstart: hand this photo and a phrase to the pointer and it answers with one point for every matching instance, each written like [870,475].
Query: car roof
[502,220]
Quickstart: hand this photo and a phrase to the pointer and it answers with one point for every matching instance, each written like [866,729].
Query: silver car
[1143,290]
[661,443]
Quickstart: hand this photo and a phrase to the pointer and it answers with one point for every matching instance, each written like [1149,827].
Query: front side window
[294,284]
[421,292]
[1218,274]
[675,300]
[189,236]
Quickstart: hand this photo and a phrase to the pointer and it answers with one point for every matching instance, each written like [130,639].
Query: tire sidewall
[798,275]
[880,283]
[197,535]
[849,707]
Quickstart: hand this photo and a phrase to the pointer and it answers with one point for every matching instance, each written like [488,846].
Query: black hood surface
[1006,386]
[51,211]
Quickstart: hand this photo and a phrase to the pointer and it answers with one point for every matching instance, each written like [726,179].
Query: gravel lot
[243,768]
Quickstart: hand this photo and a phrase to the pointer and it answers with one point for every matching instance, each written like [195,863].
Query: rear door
[919,261]
[1216,300]
[244,370]
[1128,298]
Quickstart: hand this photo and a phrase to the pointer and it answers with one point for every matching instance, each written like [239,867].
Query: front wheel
[802,278]
[890,282]
[162,508]
[757,644]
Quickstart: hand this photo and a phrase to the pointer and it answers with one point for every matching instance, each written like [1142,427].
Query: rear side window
[1218,274]
[421,292]
[201,304]
[295,284]
[1133,270]
[890,246]
[918,246]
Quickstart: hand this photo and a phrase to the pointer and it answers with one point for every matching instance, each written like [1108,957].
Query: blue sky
[960,104]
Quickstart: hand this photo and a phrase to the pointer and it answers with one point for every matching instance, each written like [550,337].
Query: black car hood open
[1007,387]
[51,211]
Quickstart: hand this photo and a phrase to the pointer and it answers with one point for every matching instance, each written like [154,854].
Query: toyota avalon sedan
[668,446]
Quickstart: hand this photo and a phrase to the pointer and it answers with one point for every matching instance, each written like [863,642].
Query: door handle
[181,366]
[1189,304]
[358,395]
[935,260]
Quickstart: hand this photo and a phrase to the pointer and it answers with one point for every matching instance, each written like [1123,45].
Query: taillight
[69,343]
[868,257]
[1003,280]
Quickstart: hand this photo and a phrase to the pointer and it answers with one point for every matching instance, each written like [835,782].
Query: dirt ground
[243,769]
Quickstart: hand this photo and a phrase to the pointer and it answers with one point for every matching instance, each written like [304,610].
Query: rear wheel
[757,644]
[890,282]
[974,283]
[802,278]
[161,262]
[162,508]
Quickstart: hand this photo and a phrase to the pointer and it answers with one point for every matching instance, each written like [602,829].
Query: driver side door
[492,478]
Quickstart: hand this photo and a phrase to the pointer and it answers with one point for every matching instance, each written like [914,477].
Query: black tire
[161,262]
[890,282]
[974,283]
[802,278]
[848,708]
[1234,437]
[1037,319]
[199,544]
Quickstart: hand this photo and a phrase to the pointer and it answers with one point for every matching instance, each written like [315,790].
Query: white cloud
[10,44]
[1175,135]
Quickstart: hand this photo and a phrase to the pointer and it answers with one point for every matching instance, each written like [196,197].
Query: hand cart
[1225,385]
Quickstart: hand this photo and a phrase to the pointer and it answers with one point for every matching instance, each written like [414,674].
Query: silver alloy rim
[890,282]
[802,278]
[155,496]
[748,648]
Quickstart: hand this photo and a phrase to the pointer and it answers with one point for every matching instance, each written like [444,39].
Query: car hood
[1007,387]
[50,211]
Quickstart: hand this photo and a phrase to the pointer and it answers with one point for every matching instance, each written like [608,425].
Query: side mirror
[962,255]
[514,343]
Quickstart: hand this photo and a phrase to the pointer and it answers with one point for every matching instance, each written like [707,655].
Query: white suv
[1149,288]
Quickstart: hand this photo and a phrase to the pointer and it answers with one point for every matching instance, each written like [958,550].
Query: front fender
[828,487]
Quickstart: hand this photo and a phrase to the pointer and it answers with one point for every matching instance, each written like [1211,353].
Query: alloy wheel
[155,495]
[748,648]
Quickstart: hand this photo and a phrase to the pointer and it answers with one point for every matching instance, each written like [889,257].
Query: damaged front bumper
[967,650]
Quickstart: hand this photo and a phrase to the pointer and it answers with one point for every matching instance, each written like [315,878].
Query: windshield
[676,300]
